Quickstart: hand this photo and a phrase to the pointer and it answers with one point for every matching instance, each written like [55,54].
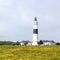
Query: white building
[29,43]
[48,42]
[23,43]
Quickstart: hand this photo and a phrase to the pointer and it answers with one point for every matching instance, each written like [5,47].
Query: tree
[57,43]
[40,42]
[7,43]
[17,43]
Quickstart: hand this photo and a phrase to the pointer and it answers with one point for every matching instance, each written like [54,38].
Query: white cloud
[16,18]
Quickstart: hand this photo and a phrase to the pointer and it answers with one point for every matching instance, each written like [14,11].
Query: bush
[57,43]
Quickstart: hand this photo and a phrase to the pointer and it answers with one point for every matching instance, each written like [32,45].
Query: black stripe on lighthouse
[35,31]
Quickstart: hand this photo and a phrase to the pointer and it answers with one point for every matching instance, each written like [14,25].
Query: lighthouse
[35,32]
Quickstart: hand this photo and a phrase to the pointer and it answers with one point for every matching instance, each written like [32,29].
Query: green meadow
[29,52]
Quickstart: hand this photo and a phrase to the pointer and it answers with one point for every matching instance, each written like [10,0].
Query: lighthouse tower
[35,32]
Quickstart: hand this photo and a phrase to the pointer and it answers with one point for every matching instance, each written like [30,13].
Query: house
[29,43]
[25,43]
[48,42]
[44,42]
[22,43]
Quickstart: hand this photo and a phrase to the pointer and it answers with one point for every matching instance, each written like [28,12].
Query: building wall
[48,43]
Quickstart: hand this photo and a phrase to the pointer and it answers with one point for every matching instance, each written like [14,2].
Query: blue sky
[16,19]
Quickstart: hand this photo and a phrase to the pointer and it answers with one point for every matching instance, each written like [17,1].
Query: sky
[17,16]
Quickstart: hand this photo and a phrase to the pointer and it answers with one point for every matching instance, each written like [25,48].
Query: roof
[48,41]
[25,41]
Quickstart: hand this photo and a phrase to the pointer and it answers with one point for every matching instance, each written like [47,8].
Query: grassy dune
[29,52]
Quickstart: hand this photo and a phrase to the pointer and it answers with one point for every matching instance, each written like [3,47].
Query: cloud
[16,19]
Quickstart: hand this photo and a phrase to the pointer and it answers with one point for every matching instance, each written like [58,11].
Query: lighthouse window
[35,31]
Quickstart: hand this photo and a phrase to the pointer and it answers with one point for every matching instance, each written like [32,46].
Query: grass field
[29,52]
